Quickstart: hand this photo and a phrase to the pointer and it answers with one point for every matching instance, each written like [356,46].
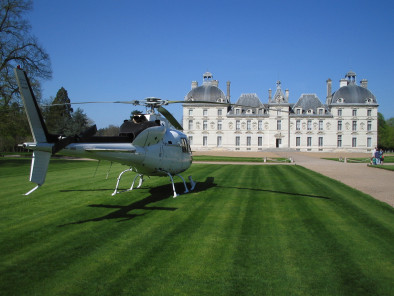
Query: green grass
[246,230]
[238,159]
[387,159]
[384,167]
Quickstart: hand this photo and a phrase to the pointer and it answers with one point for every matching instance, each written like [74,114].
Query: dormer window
[340,100]
[321,111]
[237,111]
[310,111]
[298,111]
[369,101]
[249,111]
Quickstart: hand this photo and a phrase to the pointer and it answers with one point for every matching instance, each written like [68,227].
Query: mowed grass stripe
[355,235]
[141,249]
[246,230]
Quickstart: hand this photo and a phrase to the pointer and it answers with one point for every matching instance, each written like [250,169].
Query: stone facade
[346,122]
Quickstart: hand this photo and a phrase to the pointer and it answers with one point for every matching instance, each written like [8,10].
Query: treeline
[59,117]
[385,133]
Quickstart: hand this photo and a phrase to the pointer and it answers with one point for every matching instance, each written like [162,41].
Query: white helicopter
[148,144]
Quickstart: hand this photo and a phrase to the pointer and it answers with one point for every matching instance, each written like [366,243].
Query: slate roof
[308,102]
[353,94]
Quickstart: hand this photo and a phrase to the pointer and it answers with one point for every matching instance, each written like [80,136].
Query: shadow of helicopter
[276,191]
[156,194]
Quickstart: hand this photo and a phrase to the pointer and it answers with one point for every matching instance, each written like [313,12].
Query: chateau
[347,122]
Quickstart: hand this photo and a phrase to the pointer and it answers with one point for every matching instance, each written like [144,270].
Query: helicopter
[151,144]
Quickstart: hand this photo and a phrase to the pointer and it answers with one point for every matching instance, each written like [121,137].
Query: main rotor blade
[135,102]
[170,118]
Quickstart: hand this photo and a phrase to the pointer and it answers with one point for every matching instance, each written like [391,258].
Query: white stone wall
[206,129]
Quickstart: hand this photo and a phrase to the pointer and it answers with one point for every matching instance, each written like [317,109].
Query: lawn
[246,230]
[387,159]
[239,159]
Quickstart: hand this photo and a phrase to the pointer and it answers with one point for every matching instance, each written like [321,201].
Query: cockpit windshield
[185,146]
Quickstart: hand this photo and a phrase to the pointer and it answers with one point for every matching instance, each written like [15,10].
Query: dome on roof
[353,94]
[206,92]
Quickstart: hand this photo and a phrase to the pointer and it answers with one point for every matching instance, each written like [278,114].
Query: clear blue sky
[119,49]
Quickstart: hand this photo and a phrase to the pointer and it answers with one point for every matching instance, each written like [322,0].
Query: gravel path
[375,182]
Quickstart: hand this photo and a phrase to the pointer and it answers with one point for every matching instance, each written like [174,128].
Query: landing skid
[116,191]
[132,185]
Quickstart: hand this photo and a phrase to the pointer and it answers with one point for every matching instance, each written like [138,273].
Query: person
[377,156]
[373,161]
[381,157]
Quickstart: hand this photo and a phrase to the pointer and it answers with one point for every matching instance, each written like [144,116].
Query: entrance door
[278,143]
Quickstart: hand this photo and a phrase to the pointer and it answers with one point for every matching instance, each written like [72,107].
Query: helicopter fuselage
[164,150]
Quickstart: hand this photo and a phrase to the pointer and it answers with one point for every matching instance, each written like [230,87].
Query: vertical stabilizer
[36,122]
[42,150]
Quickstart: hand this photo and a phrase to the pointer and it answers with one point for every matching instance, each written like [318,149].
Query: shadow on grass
[156,194]
[276,191]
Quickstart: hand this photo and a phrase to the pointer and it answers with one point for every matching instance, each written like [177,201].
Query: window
[190,124]
[354,113]
[205,125]
[369,125]
[320,111]
[354,142]
[298,111]
[298,125]
[248,141]
[184,145]
[260,125]
[369,112]
[320,141]
[339,141]
[260,141]
[248,125]
[219,141]
[237,141]
[339,125]
[205,141]
[237,111]
[309,141]
[320,125]
[219,112]
[219,125]
[190,140]
[190,112]
[298,141]
[279,125]
[205,112]
[354,125]
[309,125]
[369,142]
[237,125]
[339,112]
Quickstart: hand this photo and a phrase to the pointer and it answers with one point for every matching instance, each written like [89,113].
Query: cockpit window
[185,145]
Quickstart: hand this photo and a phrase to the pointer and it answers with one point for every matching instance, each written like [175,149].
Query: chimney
[215,83]
[364,83]
[329,87]
[287,95]
[343,82]
[194,84]
[269,95]
[228,91]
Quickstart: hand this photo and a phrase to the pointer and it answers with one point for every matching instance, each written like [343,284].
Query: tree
[59,113]
[79,123]
[111,130]
[19,47]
